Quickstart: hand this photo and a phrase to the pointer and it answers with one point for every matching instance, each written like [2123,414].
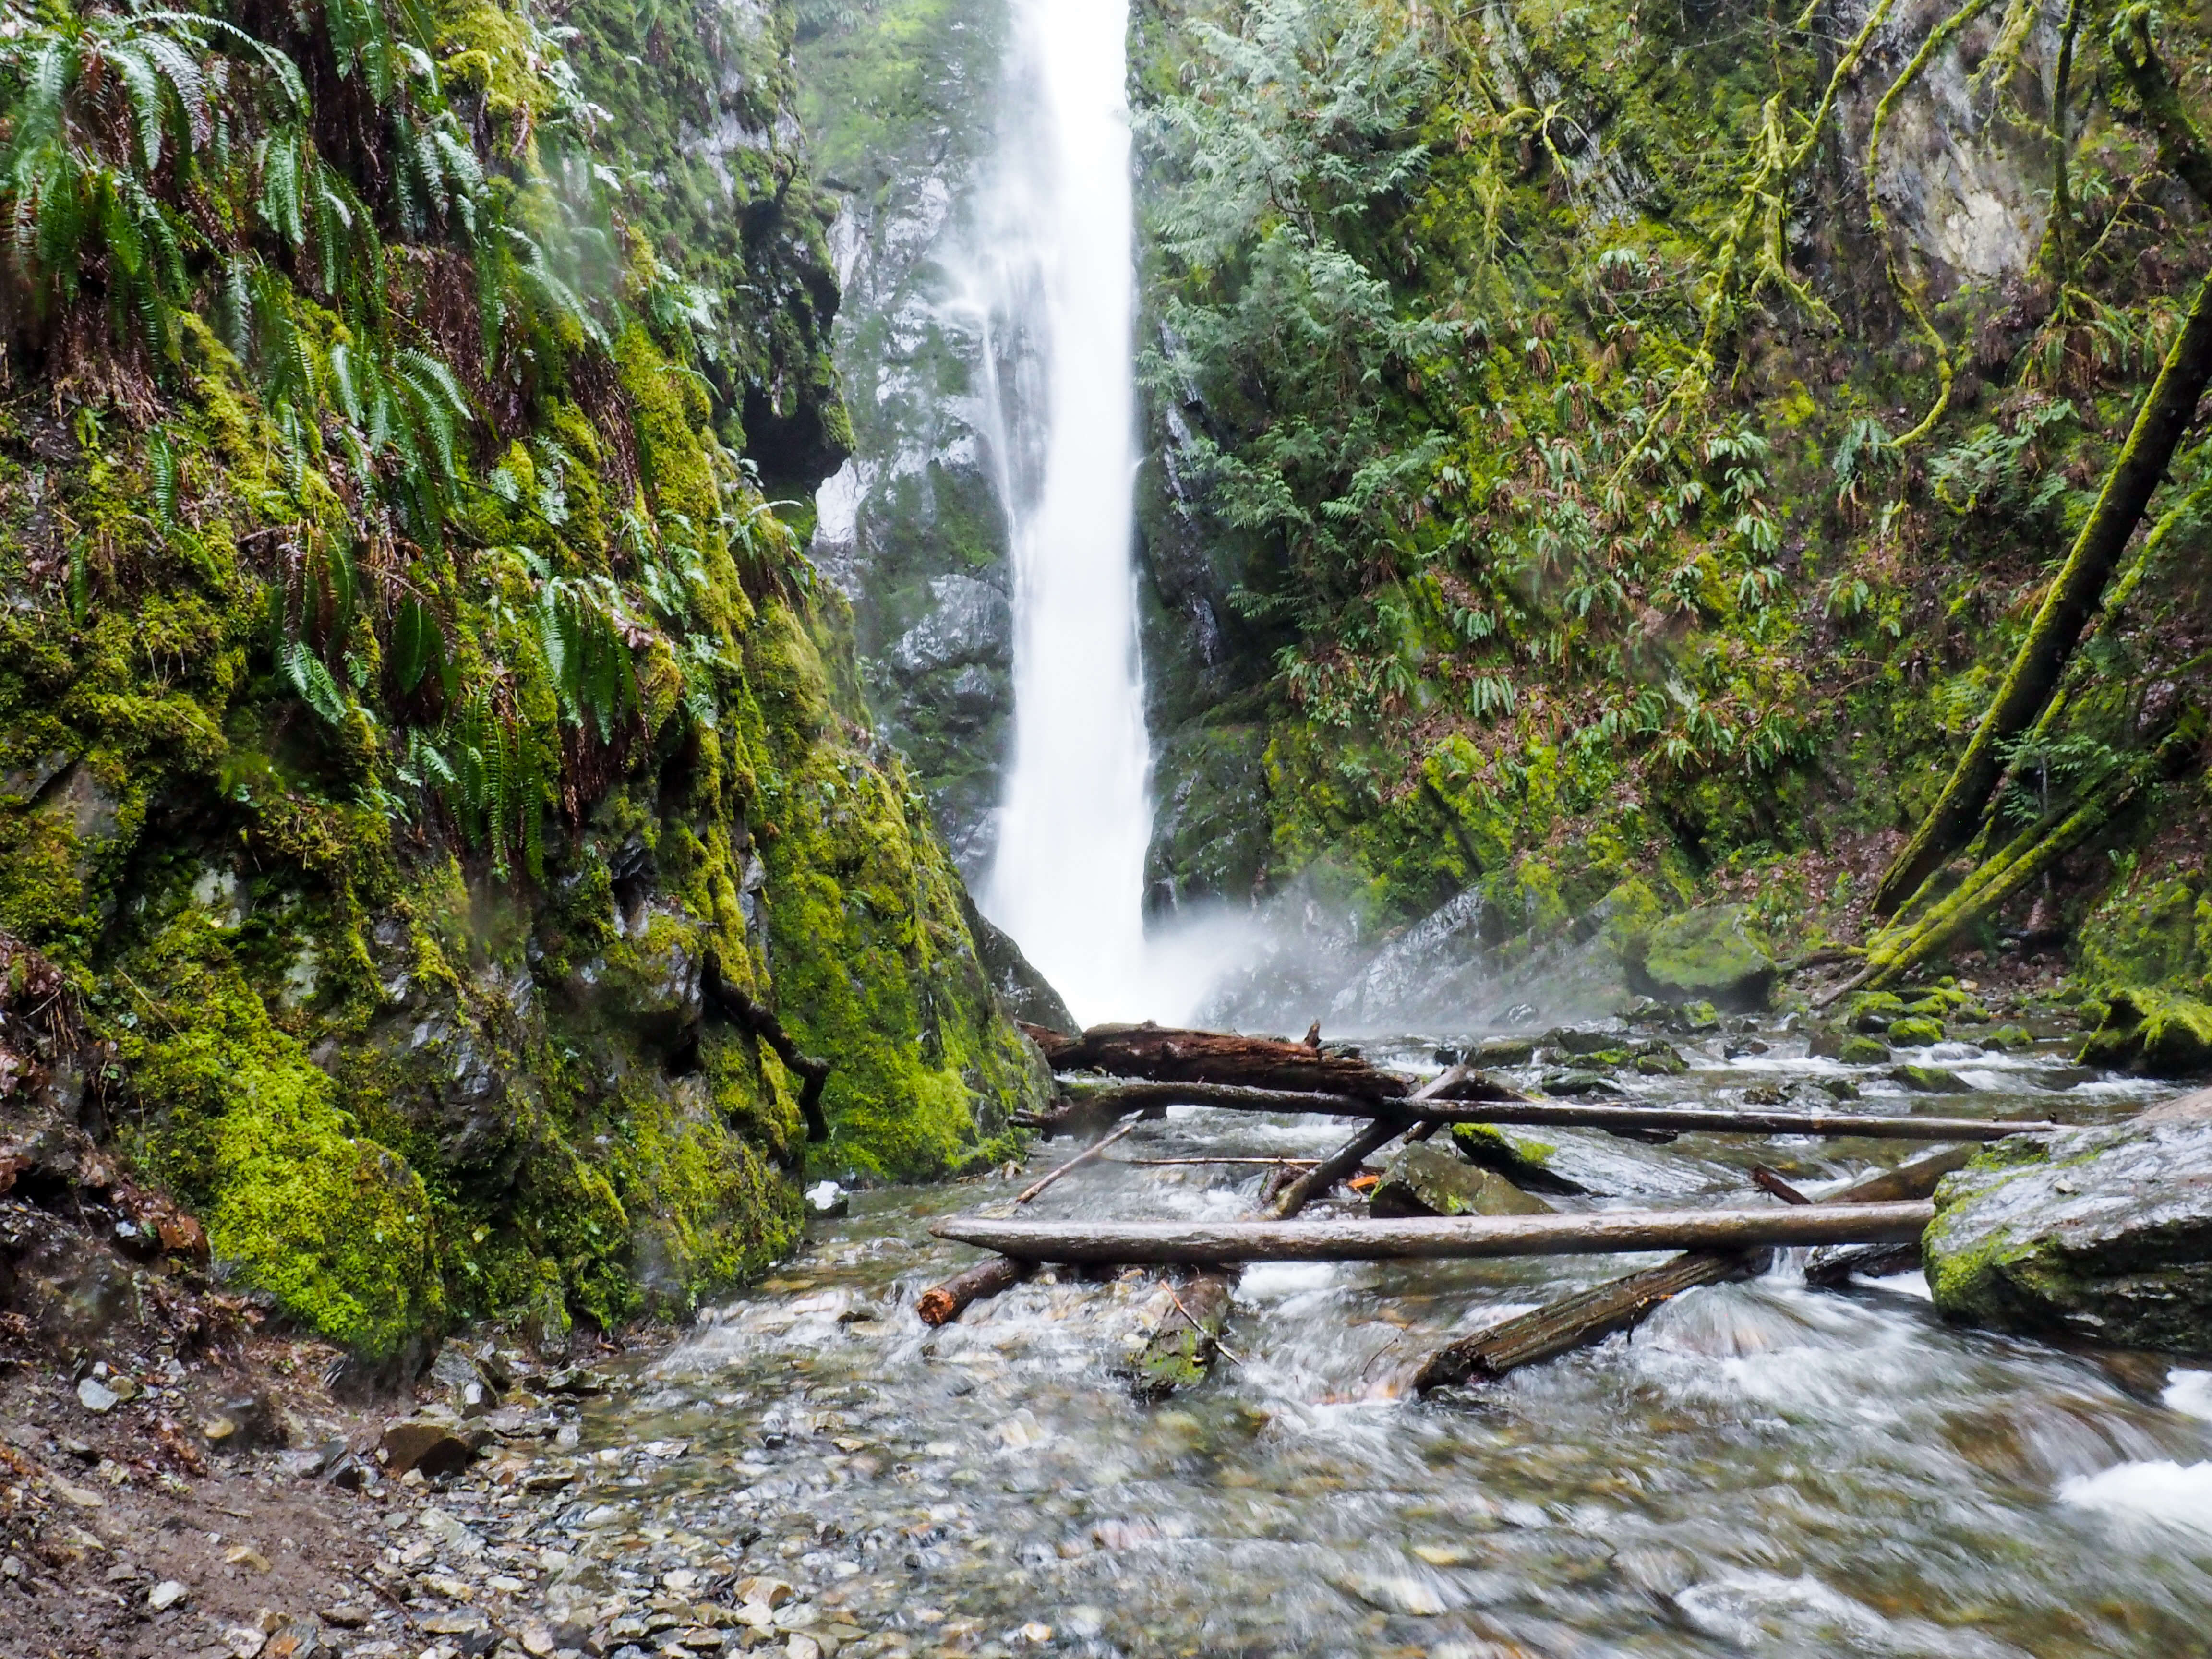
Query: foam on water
[2157,1490]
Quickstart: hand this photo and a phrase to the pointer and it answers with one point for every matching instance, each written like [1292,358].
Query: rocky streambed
[1765,1466]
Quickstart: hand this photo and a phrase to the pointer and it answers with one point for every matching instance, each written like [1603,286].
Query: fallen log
[1619,1304]
[1175,1243]
[942,1304]
[1166,1054]
[1124,1097]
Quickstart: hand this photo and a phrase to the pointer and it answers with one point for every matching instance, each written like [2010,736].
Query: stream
[1762,1468]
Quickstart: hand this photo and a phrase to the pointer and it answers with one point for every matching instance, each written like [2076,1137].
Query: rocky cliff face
[423,751]
[900,98]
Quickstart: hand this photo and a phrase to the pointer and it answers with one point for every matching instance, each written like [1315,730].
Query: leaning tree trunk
[2073,596]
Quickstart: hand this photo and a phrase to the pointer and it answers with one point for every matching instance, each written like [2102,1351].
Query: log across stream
[1760,1467]
[1462,1237]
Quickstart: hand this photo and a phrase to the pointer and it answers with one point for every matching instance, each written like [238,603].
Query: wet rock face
[1709,954]
[2103,1235]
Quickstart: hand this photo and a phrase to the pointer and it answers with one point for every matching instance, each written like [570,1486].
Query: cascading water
[1055,283]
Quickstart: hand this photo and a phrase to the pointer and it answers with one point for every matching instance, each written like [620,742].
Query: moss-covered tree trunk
[2074,595]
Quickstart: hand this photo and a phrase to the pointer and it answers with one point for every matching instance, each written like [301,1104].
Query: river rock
[1425,1178]
[430,1447]
[2103,1234]
[1710,954]
[2152,1032]
[1916,1031]
[1929,1080]
[1520,1158]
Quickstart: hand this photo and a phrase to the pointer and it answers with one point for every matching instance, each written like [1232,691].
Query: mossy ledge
[408,695]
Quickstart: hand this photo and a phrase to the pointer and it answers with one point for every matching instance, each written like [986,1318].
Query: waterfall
[1054,282]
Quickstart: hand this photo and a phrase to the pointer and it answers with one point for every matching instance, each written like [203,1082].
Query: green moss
[2152,1032]
[1916,1031]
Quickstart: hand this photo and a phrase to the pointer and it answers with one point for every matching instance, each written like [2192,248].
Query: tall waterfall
[1055,282]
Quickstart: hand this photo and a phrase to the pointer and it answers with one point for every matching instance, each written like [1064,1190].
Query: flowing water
[1763,1469]
[1055,285]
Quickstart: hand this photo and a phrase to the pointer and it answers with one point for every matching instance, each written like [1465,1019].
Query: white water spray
[1056,283]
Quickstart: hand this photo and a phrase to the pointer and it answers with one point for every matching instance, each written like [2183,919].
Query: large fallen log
[1175,1243]
[1167,1054]
[1619,1304]
[1120,1098]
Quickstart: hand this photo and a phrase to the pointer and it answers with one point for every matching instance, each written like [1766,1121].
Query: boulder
[2152,1032]
[1425,1178]
[1709,954]
[1522,1159]
[1916,1031]
[433,1448]
[2103,1234]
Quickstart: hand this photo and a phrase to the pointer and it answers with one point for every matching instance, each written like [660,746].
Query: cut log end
[942,1304]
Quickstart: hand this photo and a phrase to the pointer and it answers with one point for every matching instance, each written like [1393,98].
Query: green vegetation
[1618,479]
[401,723]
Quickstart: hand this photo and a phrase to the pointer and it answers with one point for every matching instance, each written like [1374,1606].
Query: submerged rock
[1425,1178]
[1707,954]
[2098,1233]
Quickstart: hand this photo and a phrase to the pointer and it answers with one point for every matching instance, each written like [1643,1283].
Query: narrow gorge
[654,654]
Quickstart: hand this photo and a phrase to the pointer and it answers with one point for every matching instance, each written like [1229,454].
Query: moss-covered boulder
[1710,954]
[2102,1234]
[1426,1178]
[2155,1032]
[1916,1031]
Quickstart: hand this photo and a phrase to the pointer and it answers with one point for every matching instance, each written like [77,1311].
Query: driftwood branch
[1353,1153]
[1619,1304]
[1456,1237]
[1081,1157]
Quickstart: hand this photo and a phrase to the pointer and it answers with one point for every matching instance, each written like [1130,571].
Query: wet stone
[1426,1178]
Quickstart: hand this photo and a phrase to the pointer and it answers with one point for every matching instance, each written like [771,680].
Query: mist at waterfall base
[1048,274]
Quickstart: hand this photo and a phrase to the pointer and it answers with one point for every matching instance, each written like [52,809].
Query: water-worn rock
[430,1447]
[1426,1178]
[1520,1158]
[2153,1032]
[1709,954]
[2097,1233]
[1929,1080]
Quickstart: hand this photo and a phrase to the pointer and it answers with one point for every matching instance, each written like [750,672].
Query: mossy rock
[1502,1051]
[1425,1178]
[1710,954]
[1855,1050]
[1916,1031]
[1576,1082]
[2102,1235]
[2153,1032]
[2006,1037]
[1522,1159]
[1873,1010]
[1660,1059]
